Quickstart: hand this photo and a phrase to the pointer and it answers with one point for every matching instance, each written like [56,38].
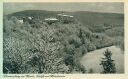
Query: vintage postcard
[64,39]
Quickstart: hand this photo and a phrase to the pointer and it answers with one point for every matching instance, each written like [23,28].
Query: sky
[109,7]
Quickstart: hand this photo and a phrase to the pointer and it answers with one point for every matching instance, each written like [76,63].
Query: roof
[71,16]
[65,15]
[53,19]
[29,17]
[59,14]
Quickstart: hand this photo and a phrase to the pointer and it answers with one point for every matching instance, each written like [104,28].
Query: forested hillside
[56,47]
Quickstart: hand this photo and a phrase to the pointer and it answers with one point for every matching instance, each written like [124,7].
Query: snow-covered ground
[92,59]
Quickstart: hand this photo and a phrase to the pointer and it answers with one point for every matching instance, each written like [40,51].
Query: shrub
[75,41]
[91,71]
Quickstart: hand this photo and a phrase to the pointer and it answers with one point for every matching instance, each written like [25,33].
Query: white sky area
[109,7]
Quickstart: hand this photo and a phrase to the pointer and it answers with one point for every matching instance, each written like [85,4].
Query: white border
[80,76]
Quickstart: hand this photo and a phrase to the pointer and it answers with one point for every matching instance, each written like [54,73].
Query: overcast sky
[110,7]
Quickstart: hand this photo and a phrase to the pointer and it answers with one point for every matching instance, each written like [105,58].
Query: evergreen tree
[107,63]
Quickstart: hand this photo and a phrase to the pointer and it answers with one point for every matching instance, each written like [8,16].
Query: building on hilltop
[51,20]
[65,18]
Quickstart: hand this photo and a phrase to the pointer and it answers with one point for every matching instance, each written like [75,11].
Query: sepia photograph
[63,38]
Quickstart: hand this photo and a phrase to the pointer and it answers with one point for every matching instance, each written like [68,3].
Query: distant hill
[99,18]
[85,17]
[34,13]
